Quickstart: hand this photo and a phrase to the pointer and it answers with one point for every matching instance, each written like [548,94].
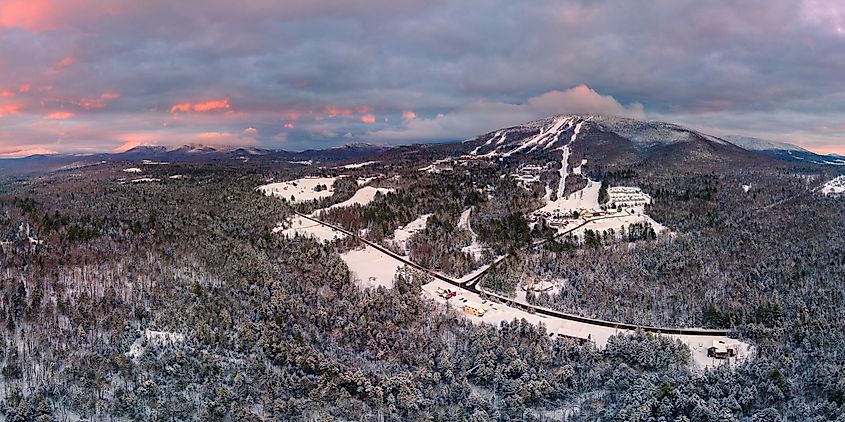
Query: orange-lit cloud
[63,63]
[9,109]
[7,94]
[24,88]
[34,15]
[213,105]
[333,111]
[109,96]
[409,115]
[60,115]
[368,118]
[24,151]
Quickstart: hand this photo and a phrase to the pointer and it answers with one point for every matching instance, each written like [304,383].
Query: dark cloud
[79,75]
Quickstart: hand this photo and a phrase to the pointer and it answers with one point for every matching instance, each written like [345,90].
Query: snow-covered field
[584,199]
[619,221]
[308,228]
[371,267]
[132,170]
[358,165]
[300,189]
[438,166]
[362,196]
[497,312]
[834,187]
[402,234]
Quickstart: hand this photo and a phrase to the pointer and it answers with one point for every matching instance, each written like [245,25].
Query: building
[720,350]
[474,309]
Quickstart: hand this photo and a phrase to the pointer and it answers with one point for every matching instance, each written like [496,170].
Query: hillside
[577,262]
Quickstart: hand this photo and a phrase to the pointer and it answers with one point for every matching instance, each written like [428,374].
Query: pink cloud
[213,105]
[64,63]
[60,115]
[409,115]
[368,118]
[110,96]
[24,150]
[6,109]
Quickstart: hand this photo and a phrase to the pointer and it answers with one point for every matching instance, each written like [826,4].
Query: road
[471,284]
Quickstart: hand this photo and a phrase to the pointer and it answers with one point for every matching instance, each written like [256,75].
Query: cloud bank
[88,75]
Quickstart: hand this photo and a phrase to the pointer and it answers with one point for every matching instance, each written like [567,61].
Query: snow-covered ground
[475,249]
[620,220]
[308,228]
[371,267]
[358,165]
[300,189]
[584,199]
[361,181]
[627,197]
[133,170]
[362,196]
[145,180]
[834,187]
[401,235]
[151,337]
[746,188]
[497,312]
[438,166]
[303,162]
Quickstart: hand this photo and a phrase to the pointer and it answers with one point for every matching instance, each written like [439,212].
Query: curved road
[471,284]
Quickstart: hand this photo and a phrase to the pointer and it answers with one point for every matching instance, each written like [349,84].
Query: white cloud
[483,116]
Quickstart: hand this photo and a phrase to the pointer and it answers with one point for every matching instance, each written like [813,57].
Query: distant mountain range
[606,140]
[184,153]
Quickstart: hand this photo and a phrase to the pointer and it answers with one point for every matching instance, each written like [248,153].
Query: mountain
[186,153]
[609,141]
[757,144]
[785,151]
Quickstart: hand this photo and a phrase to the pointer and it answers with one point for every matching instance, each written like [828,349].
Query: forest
[175,301]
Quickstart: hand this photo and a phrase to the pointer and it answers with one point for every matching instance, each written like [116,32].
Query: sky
[81,76]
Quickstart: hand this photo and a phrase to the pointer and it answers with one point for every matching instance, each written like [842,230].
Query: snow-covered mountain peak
[552,133]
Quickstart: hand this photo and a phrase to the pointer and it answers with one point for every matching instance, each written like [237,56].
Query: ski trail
[564,162]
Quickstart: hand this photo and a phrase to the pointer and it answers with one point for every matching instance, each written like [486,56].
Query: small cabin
[720,350]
